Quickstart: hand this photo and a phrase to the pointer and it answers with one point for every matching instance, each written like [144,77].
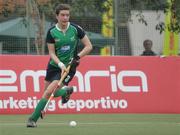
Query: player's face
[63,17]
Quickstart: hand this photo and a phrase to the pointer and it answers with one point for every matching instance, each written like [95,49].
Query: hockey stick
[52,94]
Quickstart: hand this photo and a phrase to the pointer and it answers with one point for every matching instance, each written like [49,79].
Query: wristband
[61,65]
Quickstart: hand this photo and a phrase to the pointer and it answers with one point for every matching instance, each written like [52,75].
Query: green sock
[60,92]
[37,112]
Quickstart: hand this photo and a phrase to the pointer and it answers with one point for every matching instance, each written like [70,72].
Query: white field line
[93,123]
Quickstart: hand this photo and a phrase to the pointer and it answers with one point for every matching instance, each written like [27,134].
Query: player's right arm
[51,48]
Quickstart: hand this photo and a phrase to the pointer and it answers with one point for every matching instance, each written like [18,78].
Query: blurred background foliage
[95,8]
[94,16]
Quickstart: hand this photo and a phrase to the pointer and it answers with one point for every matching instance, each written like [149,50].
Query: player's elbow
[90,47]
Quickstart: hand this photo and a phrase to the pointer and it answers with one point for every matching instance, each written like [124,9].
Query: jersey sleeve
[49,38]
[80,31]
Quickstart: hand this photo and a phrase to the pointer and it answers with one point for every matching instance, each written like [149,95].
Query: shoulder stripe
[80,31]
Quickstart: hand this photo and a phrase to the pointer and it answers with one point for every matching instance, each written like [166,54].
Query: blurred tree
[88,14]
[96,8]
[6,7]
[78,7]
[173,6]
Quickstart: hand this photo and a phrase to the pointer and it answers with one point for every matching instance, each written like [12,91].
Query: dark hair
[60,7]
[147,41]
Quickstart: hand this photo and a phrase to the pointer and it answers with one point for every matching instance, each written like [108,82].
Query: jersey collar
[60,28]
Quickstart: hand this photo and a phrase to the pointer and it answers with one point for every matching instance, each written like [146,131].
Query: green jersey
[65,43]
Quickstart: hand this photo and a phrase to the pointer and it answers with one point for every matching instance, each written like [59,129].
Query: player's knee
[46,94]
[51,88]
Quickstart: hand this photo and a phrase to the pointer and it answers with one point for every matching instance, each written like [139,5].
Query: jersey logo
[65,48]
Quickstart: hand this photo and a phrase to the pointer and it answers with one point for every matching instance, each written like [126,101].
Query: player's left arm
[86,50]
[84,40]
[87,46]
